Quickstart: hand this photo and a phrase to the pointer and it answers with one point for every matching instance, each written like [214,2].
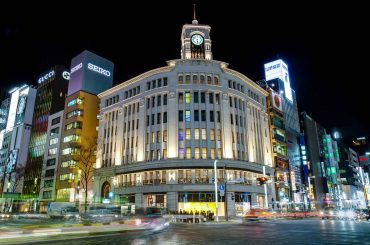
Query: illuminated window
[204,134]
[52,151]
[73,138]
[53,141]
[165,153]
[188,153]
[187,116]
[69,164]
[181,153]
[212,134]
[164,135]
[204,153]
[64,193]
[69,176]
[219,134]
[74,113]
[69,151]
[219,153]
[158,136]
[188,134]
[212,153]
[196,133]
[181,135]
[153,137]
[197,152]
[187,97]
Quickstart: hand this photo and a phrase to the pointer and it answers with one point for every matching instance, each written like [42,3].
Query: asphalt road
[267,232]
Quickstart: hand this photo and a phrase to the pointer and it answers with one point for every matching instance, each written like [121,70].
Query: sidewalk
[19,235]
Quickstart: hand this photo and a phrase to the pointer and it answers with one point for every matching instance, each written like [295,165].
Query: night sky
[325,47]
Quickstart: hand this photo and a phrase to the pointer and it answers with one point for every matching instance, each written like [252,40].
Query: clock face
[197,39]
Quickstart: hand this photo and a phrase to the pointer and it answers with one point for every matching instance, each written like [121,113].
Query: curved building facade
[160,133]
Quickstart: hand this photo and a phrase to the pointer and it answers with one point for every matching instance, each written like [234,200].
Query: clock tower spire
[195,40]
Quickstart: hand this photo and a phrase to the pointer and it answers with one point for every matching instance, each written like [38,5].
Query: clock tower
[196,41]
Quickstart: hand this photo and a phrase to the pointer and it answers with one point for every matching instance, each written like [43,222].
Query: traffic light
[262,180]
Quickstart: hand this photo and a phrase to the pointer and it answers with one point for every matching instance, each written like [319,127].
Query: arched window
[195,78]
[187,79]
[181,79]
[216,80]
[202,79]
[105,190]
[209,79]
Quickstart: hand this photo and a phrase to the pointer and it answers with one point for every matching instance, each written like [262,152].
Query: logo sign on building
[276,101]
[278,69]
[46,77]
[66,75]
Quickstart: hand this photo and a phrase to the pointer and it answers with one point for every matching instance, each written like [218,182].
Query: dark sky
[325,47]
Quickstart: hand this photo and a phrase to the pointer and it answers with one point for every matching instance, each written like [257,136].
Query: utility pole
[216,187]
[225,181]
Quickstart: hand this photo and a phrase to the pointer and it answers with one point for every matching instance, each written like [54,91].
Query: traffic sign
[222,193]
[221,187]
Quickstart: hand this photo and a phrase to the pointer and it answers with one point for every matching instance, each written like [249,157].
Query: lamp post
[216,195]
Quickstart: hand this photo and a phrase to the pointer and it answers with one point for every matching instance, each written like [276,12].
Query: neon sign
[76,68]
[46,76]
[98,69]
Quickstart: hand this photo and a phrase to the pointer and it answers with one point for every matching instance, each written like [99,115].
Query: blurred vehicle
[102,214]
[60,209]
[328,213]
[347,214]
[260,213]
[70,213]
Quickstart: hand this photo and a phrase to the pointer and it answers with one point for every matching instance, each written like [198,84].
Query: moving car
[328,213]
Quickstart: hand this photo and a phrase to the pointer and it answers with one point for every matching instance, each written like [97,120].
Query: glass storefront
[155,200]
[198,202]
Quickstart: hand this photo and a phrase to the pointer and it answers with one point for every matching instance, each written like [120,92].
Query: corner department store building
[160,132]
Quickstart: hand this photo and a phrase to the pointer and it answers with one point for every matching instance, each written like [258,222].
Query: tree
[85,156]
[14,179]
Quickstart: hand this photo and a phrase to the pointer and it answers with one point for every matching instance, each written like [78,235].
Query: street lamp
[216,195]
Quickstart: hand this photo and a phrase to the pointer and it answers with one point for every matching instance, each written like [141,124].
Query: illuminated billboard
[276,101]
[21,107]
[90,73]
[278,69]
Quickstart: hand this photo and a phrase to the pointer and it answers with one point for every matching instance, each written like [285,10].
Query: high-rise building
[314,135]
[90,75]
[280,154]
[51,93]
[161,132]
[15,139]
[277,78]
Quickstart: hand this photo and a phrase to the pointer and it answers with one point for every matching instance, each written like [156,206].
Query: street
[254,232]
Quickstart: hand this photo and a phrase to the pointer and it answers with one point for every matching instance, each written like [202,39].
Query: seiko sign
[77,67]
[98,69]
[46,76]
